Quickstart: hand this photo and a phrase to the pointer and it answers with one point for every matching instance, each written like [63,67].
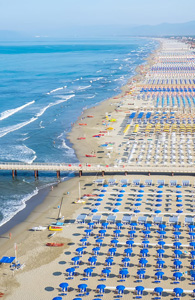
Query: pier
[126,169]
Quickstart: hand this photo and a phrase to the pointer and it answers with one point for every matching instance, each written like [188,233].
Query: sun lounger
[81,218]
[111,219]
[96,219]
[126,219]
[173,219]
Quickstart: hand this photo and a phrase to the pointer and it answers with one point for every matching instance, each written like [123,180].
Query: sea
[44,87]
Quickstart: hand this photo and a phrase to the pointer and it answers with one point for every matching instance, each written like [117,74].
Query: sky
[71,16]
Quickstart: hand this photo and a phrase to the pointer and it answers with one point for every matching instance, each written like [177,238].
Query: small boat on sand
[55,244]
[81,138]
[39,228]
[55,228]
[83,124]
[90,155]
[51,235]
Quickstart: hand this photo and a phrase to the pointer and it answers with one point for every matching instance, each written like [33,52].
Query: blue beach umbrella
[94,210]
[106,272]
[76,260]
[82,287]
[139,290]
[129,243]
[115,210]
[178,291]
[101,288]
[177,245]
[126,261]
[64,286]
[109,261]
[120,289]
[158,291]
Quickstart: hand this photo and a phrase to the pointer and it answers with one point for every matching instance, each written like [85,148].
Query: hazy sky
[45,16]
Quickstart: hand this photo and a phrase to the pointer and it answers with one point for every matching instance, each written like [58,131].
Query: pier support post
[13,174]
[172,174]
[36,173]
[126,173]
[80,173]
[148,173]
[58,174]
[103,173]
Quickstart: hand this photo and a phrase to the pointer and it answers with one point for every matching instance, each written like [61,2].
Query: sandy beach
[142,198]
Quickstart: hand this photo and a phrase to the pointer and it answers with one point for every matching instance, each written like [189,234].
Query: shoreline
[45,203]
[42,193]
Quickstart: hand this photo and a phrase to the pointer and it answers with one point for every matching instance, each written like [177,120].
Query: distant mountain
[164,29]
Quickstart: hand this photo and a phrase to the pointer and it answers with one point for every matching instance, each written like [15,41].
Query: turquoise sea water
[44,86]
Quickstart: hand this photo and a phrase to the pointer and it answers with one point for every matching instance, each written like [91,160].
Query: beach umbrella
[160,263]
[117,232]
[91,224]
[94,210]
[159,275]
[112,251]
[82,287]
[102,232]
[141,273]
[84,241]
[145,243]
[177,263]
[120,289]
[177,275]
[177,245]
[178,292]
[101,288]
[109,261]
[161,244]
[123,273]
[192,263]
[106,272]
[128,251]
[136,211]
[101,195]
[96,250]
[139,290]
[114,242]
[133,225]
[105,224]
[70,271]
[131,233]
[162,226]
[130,243]
[177,253]
[158,291]
[88,272]
[176,226]
[147,225]
[76,260]
[97,204]
[92,260]
[144,252]
[143,262]
[191,227]
[115,210]
[157,211]
[192,244]
[64,286]
[160,252]
[126,261]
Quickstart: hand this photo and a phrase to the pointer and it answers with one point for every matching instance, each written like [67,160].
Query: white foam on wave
[6,114]
[10,213]
[42,111]
[5,130]
[20,153]
[84,87]
[91,97]
[99,71]
[58,89]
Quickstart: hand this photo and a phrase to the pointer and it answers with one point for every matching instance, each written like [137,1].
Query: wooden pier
[125,169]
